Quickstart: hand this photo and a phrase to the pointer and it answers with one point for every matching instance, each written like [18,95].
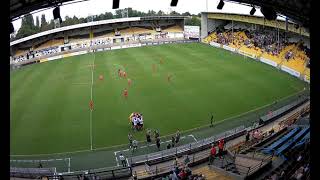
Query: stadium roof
[260,20]
[297,10]
[94,23]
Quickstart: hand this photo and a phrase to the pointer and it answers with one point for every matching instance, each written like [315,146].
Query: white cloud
[93,7]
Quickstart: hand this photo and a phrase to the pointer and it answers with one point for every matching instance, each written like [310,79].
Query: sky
[95,7]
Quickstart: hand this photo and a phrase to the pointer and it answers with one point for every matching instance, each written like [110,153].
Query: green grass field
[49,102]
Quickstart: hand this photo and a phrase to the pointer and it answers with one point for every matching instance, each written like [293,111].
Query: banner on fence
[247,54]
[43,60]
[269,62]
[290,71]
[54,58]
[134,45]
[68,55]
[115,47]
[215,44]
[229,48]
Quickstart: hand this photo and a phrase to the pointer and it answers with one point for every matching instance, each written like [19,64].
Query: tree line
[29,27]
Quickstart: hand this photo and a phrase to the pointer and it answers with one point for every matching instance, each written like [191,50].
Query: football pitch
[49,102]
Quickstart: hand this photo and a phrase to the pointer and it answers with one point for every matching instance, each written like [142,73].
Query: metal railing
[185,149]
[116,173]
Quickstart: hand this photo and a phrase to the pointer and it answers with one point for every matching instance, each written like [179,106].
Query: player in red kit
[129,82]
[125,93]
[91,105]
[124,74]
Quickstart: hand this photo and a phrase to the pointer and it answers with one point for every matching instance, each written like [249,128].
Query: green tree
[174,13]
[118,13]
[27,27]
[75,20]
[37,22]
[151,13]
[108,15]
[44,23]
[194,21]
[186,14]
[160,13]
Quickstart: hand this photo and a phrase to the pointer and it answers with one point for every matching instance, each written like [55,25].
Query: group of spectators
[182,171]
[288,55]
[213,152]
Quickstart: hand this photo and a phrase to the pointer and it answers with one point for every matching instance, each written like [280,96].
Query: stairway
[210,173]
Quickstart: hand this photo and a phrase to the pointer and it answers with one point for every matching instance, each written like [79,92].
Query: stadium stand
[49,44]
[103,33]
[175,28]
[139,30]
[281,141]
[285,49]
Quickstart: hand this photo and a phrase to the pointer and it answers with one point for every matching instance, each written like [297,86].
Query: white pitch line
[183,137]
[115,154]
[91,98]
[191,135]
[69,164]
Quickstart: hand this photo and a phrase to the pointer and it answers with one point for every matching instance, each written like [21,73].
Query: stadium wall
[263,60]
[98,49]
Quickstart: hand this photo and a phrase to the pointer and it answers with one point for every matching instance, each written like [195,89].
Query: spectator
[282,175]
[186,160]
[212,154]
[148,136]
[188,171]
[168,146]
[274,177]
[175,162]
[123,160]
[156,134]
[247,136]
[177,136]
[182,174]
[134,145]
[299,158]
[306,168]
[130,140]
[173,141]
[220,146]
[299,173]
[158,143]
